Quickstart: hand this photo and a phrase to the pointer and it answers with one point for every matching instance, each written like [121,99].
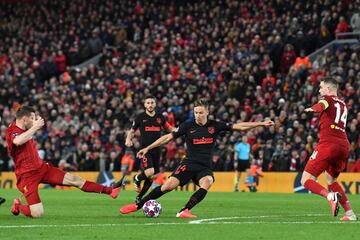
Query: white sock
[349,213]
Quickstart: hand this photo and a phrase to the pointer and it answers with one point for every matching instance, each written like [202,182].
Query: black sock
[141,176]
[154,194]
[197,197]
[145,188]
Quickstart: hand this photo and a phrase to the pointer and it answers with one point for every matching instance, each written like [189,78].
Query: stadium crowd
[247,58]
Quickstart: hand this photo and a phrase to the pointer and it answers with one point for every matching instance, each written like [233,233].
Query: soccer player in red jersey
[331,153]
[30,170]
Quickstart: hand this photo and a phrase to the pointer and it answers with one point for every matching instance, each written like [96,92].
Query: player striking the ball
[331,153]
[200,137]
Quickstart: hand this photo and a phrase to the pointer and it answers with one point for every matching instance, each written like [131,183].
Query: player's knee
[303,179]
[149,173]
[306,176]
[206,182]
[73,180]
[37,213]
[167,187]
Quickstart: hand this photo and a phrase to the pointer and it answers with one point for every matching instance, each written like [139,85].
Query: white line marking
[210,221]
[252,217]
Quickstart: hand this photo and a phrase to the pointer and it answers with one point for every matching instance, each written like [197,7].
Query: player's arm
[160,141]
[27,135]
[129,137]
[249,125]
[318,107]
[131,133]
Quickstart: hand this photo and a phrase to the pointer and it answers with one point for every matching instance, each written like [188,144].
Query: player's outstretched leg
[87,186]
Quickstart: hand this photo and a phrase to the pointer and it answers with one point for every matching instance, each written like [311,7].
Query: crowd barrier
[279,182]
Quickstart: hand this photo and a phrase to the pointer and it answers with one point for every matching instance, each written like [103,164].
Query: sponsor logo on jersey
[211,130]
[152,129]
[332,126]
[203,140]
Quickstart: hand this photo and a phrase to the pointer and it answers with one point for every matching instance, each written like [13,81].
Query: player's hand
[38,122]
[142,153]
[309,110]
[268,123]
[128,143]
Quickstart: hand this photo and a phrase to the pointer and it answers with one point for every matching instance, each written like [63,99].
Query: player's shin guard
[95,187]
[145,188]
[335,187]
[197,197]
[316,188]
[154,194]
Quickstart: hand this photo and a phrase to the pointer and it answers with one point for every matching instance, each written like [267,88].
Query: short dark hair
[201,103]
[150,97]
[330,80]
[24,111]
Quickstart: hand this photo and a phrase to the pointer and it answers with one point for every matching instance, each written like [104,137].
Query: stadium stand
[238,55]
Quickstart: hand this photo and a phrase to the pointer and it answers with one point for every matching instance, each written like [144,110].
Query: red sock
[335,187]
[25,210]
[95,187]
[316,188]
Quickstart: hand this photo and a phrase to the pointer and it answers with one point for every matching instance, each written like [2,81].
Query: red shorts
[329,157]
[28,183]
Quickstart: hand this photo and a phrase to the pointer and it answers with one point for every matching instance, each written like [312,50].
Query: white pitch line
[252,217]
[209,221]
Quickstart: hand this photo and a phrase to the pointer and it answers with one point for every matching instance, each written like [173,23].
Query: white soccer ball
[152,208]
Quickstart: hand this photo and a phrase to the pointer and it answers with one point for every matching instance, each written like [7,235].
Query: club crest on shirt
[158,120]
[211,130]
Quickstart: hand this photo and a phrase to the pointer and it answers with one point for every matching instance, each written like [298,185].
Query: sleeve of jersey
[320,106]
[135,124]
[9,139]
[223,126]
[181,130]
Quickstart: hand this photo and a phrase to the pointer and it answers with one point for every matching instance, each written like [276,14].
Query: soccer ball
[152,208]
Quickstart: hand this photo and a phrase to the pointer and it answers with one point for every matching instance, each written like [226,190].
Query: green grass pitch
[76,215]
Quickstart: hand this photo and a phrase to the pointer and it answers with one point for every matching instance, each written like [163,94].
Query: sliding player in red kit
[30,170]
[331,153]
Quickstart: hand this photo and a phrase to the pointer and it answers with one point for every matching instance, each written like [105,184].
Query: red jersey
[26,156]
[332,120]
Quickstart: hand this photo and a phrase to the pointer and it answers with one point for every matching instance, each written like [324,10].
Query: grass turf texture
[77,215]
